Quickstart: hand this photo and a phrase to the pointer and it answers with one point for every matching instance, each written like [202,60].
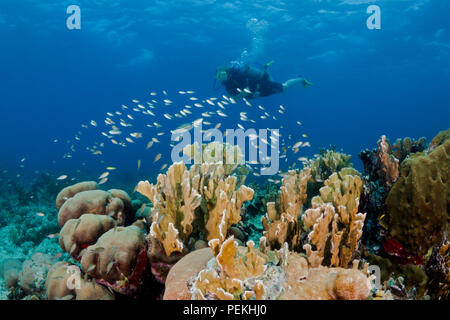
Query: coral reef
[439,139]
[324,165]
[403,148]
[203,202]
[328,162]
[438,269]
[380,171]
[281,221]
[57,288]
[230,279]
[255,209]
[118,259]
[192,234]
[335,235]
[418,203]
[236,272]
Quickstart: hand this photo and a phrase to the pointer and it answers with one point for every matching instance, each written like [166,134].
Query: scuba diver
[244,81]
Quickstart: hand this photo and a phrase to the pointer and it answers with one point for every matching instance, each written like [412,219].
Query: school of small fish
[129,125]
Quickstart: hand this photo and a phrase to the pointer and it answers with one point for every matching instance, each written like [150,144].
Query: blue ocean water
[392,81]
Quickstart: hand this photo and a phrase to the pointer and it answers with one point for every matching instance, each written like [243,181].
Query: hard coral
[118,258]
[245,273]
[96,202]
[335,235]
[80,233]
[200,201]
[189,266]
[401,149]
[70,191]
[281,221]
[232,278]
[33,274]
[64,282]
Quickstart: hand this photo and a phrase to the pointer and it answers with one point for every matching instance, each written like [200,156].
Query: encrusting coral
[438,267]
[381,168]
[335,235]
[281,221]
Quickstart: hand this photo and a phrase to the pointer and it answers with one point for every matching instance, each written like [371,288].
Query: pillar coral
[281,221]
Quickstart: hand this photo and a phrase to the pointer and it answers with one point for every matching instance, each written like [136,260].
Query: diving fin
[306,83]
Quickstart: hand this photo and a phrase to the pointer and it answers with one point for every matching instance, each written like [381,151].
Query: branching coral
[335,235]
[230,156]
[174,201]
[203,197]
[328,162]
[245,273]
[281,221]
[231,279]
[403,148]
[324,165]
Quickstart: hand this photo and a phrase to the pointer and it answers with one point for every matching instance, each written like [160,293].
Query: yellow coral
[282,220]
[340,189]
[174,202]
[179,193]
[335,235]
[327,163]
[233,269]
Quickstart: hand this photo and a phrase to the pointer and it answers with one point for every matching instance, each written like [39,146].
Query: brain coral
[418,203]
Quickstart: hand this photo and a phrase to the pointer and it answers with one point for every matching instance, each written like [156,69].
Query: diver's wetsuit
[255,80]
